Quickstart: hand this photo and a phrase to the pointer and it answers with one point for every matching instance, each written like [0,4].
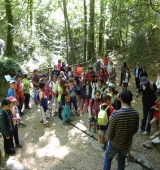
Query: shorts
[102,132]
[92,120]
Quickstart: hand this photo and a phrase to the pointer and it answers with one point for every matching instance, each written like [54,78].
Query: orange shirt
[105,60]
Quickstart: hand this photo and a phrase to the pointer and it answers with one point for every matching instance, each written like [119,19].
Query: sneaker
[65,123]
[140,131]
[131,159]
[12,152]
[46,125]
[41,121]
[77,113]
[19,145]
[156,140]
[145,133]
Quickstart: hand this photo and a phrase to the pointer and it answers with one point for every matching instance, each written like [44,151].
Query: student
[59,65]
[15,119]
[54,90]
[113,73]
[105,60]
[6,127]
[55,71]
[86,92]
[90,74]
[143,73]
[27,86]
[78,83]
[11,90]
[19,92]
[101,73]
[60,91]
[73,90]
[43,105]
[116,103]
[79,70]
[65,105]
[93,110]
[35,80]
[123,71]
[106,99]
[126,78]
[100,87]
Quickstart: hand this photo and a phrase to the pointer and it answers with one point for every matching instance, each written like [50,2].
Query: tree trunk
[91,51]
[101,29]
[9,43]
[72,51]
[66,34]
[85,30]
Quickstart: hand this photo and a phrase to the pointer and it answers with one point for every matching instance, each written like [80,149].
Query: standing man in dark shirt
[6,127]
[122,126]
[148,101]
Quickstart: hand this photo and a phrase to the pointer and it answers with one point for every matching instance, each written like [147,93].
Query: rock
[148,144]
[133,166]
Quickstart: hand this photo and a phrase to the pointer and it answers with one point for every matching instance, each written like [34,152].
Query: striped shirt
[123,125]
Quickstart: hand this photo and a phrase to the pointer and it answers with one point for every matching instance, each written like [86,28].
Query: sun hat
[12,80]
[143,80]
[12,99]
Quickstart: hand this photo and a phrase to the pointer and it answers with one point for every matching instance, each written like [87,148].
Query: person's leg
[59,111]
[145,114]
[121,159]
[79,101]
[87,103]
[16,138]
[43,115]
[7,144]
[150,117]
[82,105]
[74,100]
[25,101]
[110,153]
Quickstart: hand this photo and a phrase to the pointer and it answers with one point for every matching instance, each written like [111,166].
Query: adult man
[148,101]
[137,71]
[35,81]
[123,125]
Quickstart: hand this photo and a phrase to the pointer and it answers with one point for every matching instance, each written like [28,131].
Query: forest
[77,30]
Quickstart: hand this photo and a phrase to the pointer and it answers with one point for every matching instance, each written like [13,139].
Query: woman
[123,71]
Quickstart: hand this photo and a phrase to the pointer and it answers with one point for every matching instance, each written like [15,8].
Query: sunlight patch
[76,131]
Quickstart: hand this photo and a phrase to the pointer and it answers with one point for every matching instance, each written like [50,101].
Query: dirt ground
[62,147]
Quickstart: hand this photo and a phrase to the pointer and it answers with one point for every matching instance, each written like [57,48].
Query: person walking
[137,71]
[123,125]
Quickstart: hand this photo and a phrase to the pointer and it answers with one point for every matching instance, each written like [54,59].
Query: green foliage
[8,66]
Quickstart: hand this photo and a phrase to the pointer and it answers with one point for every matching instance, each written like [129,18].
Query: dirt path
[61,147]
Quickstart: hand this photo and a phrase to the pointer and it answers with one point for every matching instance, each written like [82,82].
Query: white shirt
[54,86]
[126,78]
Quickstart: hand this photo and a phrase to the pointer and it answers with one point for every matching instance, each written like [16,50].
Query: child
[6,127]
[113,73]
[11,90]
[27,86]
[65,105]
[93,110]
[126,78]
[86,92]
[101,73]
[155,121]
[105,60]
[79,70]
[43,105]
[60,91]
[73,90]
[55,71]
[54,89]
[99,87]
[59,65]
[109,109]
[15,119]
[90,74]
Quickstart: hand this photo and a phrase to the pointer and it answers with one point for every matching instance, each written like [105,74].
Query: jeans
[110,153]
[147,112]
[74,101]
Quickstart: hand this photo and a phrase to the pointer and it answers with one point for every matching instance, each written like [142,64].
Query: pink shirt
[59,65]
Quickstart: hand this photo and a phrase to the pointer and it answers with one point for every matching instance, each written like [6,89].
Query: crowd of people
[67,91]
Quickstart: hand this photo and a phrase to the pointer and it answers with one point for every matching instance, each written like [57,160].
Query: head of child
[62,82]
[41,85]
[54,78]
[126,97]
[5,104]
[97,95]
[106,98]
[71,82]
[157,93]
[44,78]
[62,73]
[106,55]
[12,100]
[59,61]
[25,76]
[100,83]
[19,77]
[101,70]
[65,88]
[36,72]
[55,67]
[12,83]
[13,75]
[111,79]
[90,69]
[87,82]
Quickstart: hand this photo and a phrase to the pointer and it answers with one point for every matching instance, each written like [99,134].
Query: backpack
[103,117]
[36,97]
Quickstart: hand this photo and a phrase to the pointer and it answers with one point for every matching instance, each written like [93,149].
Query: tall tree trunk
[72,51]
[91,51]
[101,29]
[30,4]
[9,44]
[85,30]
[66,34]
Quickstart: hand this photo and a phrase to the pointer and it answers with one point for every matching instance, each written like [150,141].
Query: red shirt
[105,60]
[156,112]
[89,75]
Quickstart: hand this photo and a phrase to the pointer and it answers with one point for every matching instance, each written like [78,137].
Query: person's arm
[136,126]
[111,128]
[89,109]
[34,82]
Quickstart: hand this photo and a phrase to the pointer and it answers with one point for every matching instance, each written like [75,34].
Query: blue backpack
[36,97]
